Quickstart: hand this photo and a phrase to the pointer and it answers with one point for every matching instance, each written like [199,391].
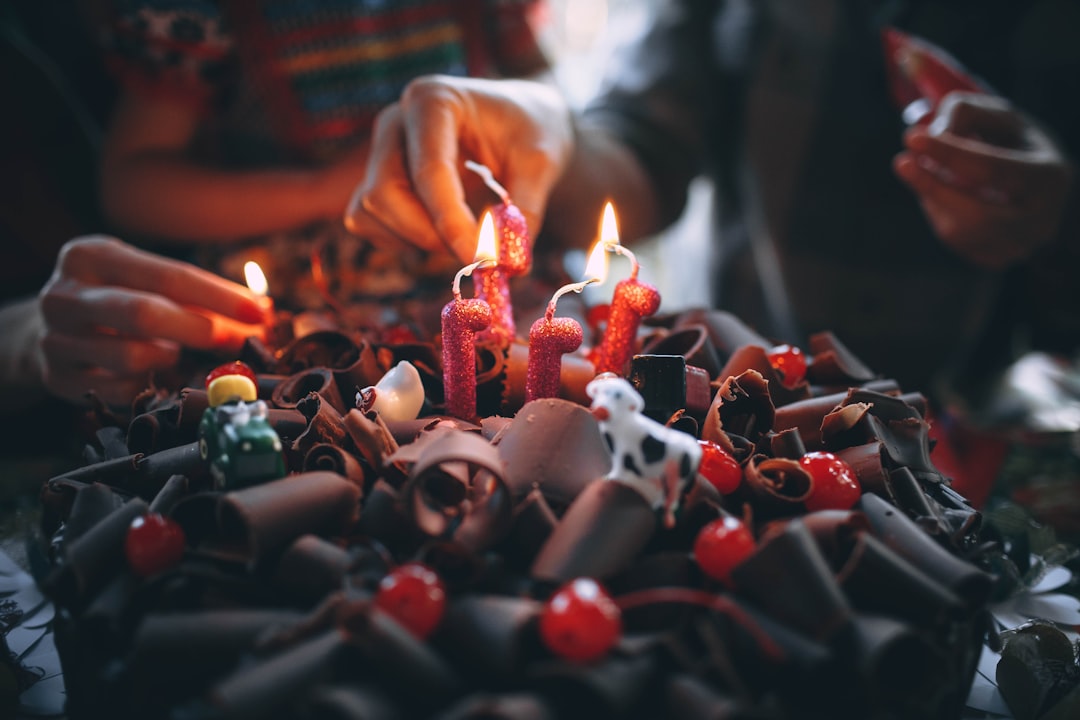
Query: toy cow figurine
[655,460]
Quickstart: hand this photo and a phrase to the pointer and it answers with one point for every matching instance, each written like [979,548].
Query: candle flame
[487,248]
[256,279]
[597,266]
[609,227]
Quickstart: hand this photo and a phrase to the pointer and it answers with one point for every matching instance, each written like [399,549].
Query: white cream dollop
[398,395]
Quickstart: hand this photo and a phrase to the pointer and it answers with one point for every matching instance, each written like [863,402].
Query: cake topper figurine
[235,435]
[655,460]
[399,394]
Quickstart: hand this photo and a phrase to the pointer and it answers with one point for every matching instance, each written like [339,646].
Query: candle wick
[468,270]
[621,250]
[572,287]
[489,179]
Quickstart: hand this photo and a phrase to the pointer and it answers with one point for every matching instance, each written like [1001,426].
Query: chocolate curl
[788,444]
[907,539]
[865,417]
[363,372]
[689,698]
[193,648]
[869,464]
[288,423]
[834,364]
[663,570]
[265,384]
[491,367]
[173,423]
[726,331]
[116,472]
[741,406]
[263,519]
[311,568]
[406,431]
[491,637]
[753,357]
[296,387]
[155,470]
[325,425]
[614,687]
[532,525]
[661,382]
[501,707]
[600,534]
[94,556]
[373,440]
[113,441]
[879,581]
[383,516]
[331,458]
[92,504]
[789,579]
[778,486]
[526,448]
[260,689]
[691,341]
[835,531]
[908,495]
[456,488]
[344,702]
[399,663]
[174,489]
[575,372]
[901,671]
[327,348]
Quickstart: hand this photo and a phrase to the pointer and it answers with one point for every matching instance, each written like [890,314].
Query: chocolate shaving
[833,363]
[297,386]
[741,406]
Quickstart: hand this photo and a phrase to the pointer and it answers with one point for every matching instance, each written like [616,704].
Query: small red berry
[232,368]
[835,484]
[721,545]
[413,595]
[580,622]
[154,543]
[790,362]
[719,467]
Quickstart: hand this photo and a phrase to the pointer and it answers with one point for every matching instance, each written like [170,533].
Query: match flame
[609,227]
[256,279]
[487,248]
[596,268]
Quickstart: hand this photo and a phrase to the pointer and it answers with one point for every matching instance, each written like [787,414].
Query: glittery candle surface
[461,320]
[548,340]
[515,246]
[493,287]
[632,301]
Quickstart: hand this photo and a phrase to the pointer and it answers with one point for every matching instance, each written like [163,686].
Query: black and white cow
[654,459]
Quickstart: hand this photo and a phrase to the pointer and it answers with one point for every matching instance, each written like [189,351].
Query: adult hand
[113,314]
[414,185]
[992,183]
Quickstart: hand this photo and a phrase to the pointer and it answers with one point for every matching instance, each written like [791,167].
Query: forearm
[601,169]
[162,194]
[20,366]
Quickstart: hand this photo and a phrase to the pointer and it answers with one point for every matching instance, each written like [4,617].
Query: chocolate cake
[416,568]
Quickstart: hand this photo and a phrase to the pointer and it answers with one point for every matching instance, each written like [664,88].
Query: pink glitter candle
[633,300]
[461,321]
[514,257]
[551,337]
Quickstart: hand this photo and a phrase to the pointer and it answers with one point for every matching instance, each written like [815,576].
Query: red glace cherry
[580,622]
[721,545]
[719,467]
[790,362]
[154,543]
[835,486]
[413,595]
[232,368]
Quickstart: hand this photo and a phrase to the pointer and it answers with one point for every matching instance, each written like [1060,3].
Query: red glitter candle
[632,301]
[493,286]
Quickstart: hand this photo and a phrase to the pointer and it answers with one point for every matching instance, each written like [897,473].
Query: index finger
[107,261]
[433,133]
